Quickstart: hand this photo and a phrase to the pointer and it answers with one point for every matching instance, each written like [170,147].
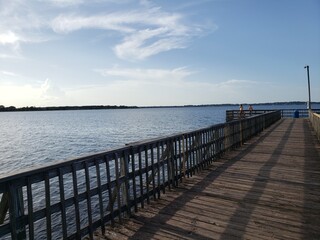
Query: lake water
[30,139]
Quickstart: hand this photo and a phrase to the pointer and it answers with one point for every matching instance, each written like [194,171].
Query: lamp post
[309,103]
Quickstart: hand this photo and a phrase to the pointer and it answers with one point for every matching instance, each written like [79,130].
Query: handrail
[77,196]
[236,114]
[285,113]
[315,122]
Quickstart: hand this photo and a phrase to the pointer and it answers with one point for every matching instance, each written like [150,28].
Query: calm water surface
[30,139]
[33,138]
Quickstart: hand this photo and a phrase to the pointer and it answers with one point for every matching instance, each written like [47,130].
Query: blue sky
[126,52]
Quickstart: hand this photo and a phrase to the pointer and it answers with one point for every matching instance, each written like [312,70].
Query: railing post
[124,170]
[184,159]
[226,136]
[16,211]
[4,206]
[171,170]
[216,144]
[241,134]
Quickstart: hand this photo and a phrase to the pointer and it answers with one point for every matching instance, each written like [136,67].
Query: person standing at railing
[241,112]
[250,109]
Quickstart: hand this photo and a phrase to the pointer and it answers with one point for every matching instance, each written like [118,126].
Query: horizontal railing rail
[232,115]
[296,113]
[72,199]
[315,122]
[285,113]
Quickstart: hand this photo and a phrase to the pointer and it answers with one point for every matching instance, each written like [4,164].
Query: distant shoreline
[97,107]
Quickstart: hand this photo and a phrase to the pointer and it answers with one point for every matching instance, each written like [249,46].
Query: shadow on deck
[267,189]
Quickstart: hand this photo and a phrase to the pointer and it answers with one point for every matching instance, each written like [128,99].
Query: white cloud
[7,73]
[8,38]
[64,3]
[69,23]
[20,22]
[21,95]
[50,91]
[237,83]
[145,43]
[68,3]
[163,75]
[146,32]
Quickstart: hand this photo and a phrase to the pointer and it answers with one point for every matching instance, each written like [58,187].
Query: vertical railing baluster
[118,186]
[197,155]
[187,154]
[212,144]
[202,152]
[191,154]
[30,209]
[201,155]
[88,197]
[163,169]
[63,205]
[181,155]
[175,162]
[153,174]
[208,147]
[48,205]
[169,163]
[141,177]
[76,199]
[209,156]
[126,189]
[111,203]
[16,211]
[102,223]
[158,169]
[147,172]
[133,167]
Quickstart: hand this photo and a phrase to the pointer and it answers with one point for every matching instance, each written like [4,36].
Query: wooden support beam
[4,206]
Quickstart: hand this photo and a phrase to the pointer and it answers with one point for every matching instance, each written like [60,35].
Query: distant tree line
[32,108]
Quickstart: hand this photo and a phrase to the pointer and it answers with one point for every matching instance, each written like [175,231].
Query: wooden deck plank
[267,189]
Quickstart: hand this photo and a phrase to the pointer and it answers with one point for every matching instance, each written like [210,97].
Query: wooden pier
[267,189]
[256,177]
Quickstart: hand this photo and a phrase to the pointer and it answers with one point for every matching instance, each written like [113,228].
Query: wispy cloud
[20,23]
[144,31]
[146,43]
[68,3]
[115,21]
[64,3]
[146,74]
[7,73]
[236,83]
[147,31]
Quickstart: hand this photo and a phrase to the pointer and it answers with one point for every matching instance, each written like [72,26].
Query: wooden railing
[315,121]
[232,115]
[294,113]
[285,113]
[71,199]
